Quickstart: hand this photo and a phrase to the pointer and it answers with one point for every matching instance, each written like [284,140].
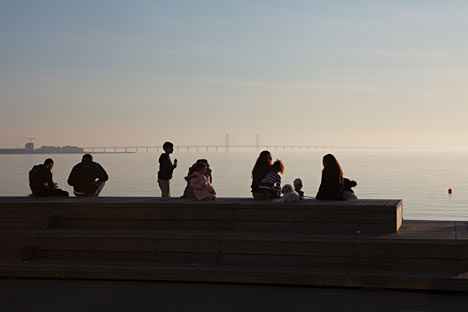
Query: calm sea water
[420,178]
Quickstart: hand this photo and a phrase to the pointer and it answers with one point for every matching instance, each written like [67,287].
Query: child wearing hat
[298,187]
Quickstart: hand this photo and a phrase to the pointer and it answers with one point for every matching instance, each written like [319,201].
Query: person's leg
[80,194]
[188,192]
[51,193]
[349,195]
[100,185]
[60,192]
[258,195]
[164,186]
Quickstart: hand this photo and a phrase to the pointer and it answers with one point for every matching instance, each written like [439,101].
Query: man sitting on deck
[87,178]
[41,183]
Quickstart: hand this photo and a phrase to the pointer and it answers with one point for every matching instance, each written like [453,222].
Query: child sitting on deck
[270,186]
[199,183]
[289,194]
[298,187]
[348,193]
[188,192]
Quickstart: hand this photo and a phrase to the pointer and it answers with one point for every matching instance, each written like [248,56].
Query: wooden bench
[308,216]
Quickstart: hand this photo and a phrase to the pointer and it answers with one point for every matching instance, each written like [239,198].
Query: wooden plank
[422,265]
[320,249]
[206,213]
[399,216]
[129,256]
[32,211]
[263,214]
[118,224]
[10,223]
[188,245]
[242,274]
[125,244]
[251,247]
[15,253]
[461,230]
[266,226]
[242,259]
[64,243]
[344,215]
[426,251]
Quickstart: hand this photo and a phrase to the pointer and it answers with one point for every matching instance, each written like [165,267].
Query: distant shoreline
[59,153]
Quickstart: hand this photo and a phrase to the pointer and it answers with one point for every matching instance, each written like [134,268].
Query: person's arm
[50,182]
[210,188]
[189,177]
[321,190]
[102,174]
[209,176]
[72,177]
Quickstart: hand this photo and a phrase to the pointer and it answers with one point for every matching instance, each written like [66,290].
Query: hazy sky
[360,73]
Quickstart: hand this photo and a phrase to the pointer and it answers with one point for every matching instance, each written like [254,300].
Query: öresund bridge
[226,147]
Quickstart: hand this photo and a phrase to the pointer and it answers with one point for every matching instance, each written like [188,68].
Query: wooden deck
[355,243]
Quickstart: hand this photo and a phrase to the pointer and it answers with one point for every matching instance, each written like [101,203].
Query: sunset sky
[354,73]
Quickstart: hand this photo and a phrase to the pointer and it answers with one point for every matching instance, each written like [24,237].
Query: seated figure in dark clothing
[41,183]
[331,185]
[348,193]
[87,178]
[260,170]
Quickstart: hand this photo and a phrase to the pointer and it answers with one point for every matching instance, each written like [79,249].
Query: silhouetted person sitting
[41,183]
[87,178]
[298,188]
[271,183]
[348,193]
[331,186]
[260,170]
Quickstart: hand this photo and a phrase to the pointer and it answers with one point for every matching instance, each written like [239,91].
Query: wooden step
[277,275]
[347,251]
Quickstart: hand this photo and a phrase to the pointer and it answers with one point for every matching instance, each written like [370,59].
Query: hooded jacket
[40,179]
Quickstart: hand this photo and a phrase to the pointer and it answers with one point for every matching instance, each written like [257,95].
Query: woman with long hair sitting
[331,185]
[260,170]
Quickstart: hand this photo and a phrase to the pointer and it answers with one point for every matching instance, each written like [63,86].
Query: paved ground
[90,296]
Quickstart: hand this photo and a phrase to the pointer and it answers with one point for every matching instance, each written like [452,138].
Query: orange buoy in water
[450,191]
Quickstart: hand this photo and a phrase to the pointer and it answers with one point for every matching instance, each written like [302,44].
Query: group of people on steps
[266,181]
[88,179]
